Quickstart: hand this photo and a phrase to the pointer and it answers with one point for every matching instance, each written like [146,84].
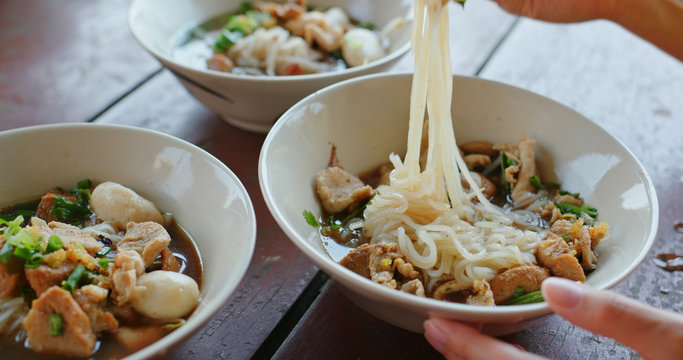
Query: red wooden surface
[65,61]
[76,61]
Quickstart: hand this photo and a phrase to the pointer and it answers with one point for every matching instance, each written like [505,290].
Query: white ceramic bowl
[252,102]
[203,195]
[367,118]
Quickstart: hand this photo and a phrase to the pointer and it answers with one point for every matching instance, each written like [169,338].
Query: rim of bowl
[209,306]
[280,78]
[347,276]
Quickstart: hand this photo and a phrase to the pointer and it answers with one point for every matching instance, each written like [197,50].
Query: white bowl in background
[252,102]
[201,193]
[367,119]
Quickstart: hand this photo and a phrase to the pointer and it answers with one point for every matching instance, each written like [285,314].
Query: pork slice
[340,190]
[11,275]
[48,200]
[11,279]
[128,265]
[146,238]
[588,258]
[554,254]
[378,263]
[526,171]
[44,277]
[70,234]
[77,340]
[91,299]
[483,296]
[529,277]
[168,261]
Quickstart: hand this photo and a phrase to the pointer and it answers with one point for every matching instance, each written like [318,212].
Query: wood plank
[278,272]
[613,78]
[475,33]
[336,328]
[65,61]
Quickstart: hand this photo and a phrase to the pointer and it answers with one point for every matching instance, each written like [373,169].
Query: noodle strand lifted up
[444,230]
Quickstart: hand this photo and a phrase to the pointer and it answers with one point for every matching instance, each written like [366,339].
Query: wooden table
[76,61]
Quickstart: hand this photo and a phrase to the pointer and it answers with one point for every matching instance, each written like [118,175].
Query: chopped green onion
[530,298]
[103,251]
[54,243]
[577,210]
[56,325]
[503,166]
[34,261]
[310,218]
[6,252]
[23,253]
[536,182]
[103,262]
[84,184]
[71,282]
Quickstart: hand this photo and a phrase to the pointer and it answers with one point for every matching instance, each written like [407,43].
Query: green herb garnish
[103,262]
[54,243]
[310,219]
[530,298]
[536,182]
[577,210]
[103,251]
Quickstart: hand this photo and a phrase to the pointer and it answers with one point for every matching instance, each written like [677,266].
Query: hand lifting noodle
[432,225]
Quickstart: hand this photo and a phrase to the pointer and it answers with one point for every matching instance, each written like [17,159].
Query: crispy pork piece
[70,234]
[338,189]
[44,277]
[91,298]
[526,171]
[77,338]
[147,238]
[554,254]
[483,296]
[128,265]
[529,277]
[382,263]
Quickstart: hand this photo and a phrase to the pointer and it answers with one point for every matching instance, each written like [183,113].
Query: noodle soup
[95,271]
[283,39]
[434,226]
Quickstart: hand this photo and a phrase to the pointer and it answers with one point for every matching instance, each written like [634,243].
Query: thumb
[654,333]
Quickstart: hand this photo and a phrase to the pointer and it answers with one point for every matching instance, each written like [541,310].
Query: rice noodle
[12,313]
[273,49]
[427,212]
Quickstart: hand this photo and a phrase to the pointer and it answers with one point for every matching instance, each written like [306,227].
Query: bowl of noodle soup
[190,188]
[602,170]
[248,101]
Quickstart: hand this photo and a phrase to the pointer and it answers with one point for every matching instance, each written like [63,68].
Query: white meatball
[120,205]
[165,295]
[361,46]
[336,17]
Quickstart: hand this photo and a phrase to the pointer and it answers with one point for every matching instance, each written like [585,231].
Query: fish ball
[165,295]
[361,46]
[120,205]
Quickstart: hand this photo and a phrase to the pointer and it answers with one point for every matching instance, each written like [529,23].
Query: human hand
[654,333]
[559,10]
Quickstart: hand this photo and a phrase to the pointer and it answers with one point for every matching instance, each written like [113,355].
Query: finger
[654,333]
[458,341]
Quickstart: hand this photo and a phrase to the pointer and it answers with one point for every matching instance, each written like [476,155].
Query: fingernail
[435,334]
[562,292]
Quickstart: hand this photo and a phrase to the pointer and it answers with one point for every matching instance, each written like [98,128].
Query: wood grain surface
[76,61]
